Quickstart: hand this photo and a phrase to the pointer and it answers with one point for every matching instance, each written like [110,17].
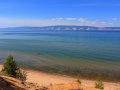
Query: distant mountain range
[75,28]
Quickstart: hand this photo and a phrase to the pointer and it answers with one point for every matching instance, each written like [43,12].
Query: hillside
[9,83]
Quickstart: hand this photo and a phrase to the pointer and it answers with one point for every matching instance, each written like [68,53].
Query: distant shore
[45,79]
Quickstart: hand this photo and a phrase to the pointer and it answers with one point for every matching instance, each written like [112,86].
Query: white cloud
[61,19]
[82,20]
[114,19]
[70,18]
[57,19]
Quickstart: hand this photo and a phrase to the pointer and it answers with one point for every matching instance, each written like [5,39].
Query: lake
[64,51]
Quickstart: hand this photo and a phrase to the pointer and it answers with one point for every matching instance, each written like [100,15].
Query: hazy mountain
[75,28]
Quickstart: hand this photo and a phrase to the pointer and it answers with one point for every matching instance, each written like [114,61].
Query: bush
[10,68]
[21,74]
[99,85]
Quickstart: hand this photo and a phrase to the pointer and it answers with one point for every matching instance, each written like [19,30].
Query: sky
[59,12]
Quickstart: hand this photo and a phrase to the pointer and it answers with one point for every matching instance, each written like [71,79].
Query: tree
[10,67]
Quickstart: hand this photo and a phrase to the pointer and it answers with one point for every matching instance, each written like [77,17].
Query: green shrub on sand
[99,85]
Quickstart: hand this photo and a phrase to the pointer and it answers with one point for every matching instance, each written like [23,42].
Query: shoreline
[46,79]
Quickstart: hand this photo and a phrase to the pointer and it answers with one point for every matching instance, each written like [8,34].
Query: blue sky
[59,12]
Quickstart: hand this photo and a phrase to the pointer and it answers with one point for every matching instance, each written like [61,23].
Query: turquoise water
[63,50]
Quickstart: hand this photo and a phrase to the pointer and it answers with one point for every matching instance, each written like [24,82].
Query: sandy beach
[45,79]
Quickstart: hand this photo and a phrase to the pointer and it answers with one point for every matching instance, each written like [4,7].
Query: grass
[99,85]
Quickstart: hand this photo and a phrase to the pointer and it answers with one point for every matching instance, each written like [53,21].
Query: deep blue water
[74,49]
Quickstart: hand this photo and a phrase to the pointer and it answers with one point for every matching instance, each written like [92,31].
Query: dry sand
[45,79]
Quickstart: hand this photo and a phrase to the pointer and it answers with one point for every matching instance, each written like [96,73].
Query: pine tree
[10,67]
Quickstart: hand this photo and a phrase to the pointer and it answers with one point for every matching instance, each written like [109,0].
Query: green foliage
[21,74]
[99,85]
[10,68]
